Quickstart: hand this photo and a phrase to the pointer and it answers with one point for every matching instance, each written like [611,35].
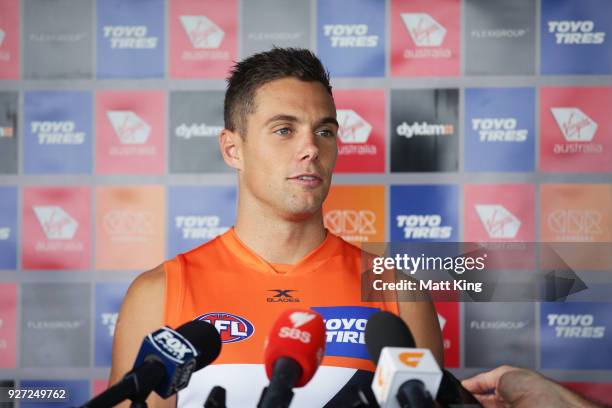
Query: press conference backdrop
[471,120]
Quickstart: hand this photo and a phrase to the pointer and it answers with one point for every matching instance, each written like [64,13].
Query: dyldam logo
[423,29]
[186,131]
[348,222]
[203,33]
[575,125]
[424,129]
[498,221]
[129,127]
[579,224]
[56,223]
[353,128]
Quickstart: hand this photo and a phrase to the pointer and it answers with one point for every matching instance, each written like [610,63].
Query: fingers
[486,382]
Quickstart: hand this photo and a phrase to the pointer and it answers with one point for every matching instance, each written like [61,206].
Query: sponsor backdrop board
[460,120]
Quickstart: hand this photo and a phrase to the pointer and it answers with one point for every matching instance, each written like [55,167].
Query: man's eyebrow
[328,120]
[281,118]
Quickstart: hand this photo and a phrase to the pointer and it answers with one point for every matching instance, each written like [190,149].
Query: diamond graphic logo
[56,223]
[362,222]
[353,128]
[575,125]
[442,321]
[575,222]
[1,36]
[498,221]
[423,29]
[301,318]
[129,127]
[202,32]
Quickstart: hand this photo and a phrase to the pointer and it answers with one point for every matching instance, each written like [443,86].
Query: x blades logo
[353,128]
[56,223]
[298,319]
[498,221]
[129,127]
[575,125]
[202,32]
[423,29]
[411,358]
[282,296]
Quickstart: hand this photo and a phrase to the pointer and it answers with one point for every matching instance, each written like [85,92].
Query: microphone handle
[412,394]
[279,393]
[130,386]
[216,398]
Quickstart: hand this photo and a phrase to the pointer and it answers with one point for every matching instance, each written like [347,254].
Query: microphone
[216,398]
[292,354]
[164,364]
[405,376]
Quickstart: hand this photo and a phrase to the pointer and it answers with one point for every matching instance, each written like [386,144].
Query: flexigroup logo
[351,37]
[498,221]
[345,330]
[575,336]
[425,42]
[231,327]
[361,138]
[424,213]
[130,132]
[575,36]
[425,133]
[129,37]
[356,223]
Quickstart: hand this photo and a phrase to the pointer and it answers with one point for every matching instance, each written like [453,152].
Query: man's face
[289,150]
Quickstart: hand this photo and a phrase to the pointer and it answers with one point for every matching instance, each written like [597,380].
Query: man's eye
[326,133]
[283,131]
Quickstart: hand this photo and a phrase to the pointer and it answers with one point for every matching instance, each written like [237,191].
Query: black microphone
[452,392]
[404,374]
[216,398]
[164,364]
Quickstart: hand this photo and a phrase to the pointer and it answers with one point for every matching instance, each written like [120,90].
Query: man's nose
[309,149]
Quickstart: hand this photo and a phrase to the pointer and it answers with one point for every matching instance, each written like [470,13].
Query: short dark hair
[255,71]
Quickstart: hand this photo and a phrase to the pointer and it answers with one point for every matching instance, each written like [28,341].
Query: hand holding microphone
[164,364]
[293,352]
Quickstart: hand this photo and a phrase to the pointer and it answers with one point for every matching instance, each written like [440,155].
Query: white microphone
[405,376]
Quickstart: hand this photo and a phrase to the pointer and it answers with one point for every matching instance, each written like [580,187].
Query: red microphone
[293,351]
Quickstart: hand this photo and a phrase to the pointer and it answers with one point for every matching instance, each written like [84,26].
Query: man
[512,387]
[280,137]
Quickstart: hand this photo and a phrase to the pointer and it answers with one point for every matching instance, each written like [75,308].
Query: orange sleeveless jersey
[228,285]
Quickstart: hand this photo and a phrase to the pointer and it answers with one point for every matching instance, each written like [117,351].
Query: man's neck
[280,241]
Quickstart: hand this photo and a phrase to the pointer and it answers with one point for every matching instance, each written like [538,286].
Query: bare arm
[422,319]
[141,313]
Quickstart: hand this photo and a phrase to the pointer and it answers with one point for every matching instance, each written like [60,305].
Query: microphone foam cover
[385,329]
[205,338]
[298,334]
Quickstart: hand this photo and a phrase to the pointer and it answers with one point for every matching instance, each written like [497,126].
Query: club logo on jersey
[353,128]
[576,32]
[498,221]
[282,296]
[129,127]
[423,29]
[56,223]
[232,328]
[575,125]
[203,33]
[345,330]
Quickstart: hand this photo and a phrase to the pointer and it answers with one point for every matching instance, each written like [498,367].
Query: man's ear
[230,144]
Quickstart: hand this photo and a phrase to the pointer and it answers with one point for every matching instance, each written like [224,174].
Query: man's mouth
[307,179]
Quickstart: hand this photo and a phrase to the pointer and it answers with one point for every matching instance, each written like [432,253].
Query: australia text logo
[427,34]
[203,33]
[578,131]
[354,133]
